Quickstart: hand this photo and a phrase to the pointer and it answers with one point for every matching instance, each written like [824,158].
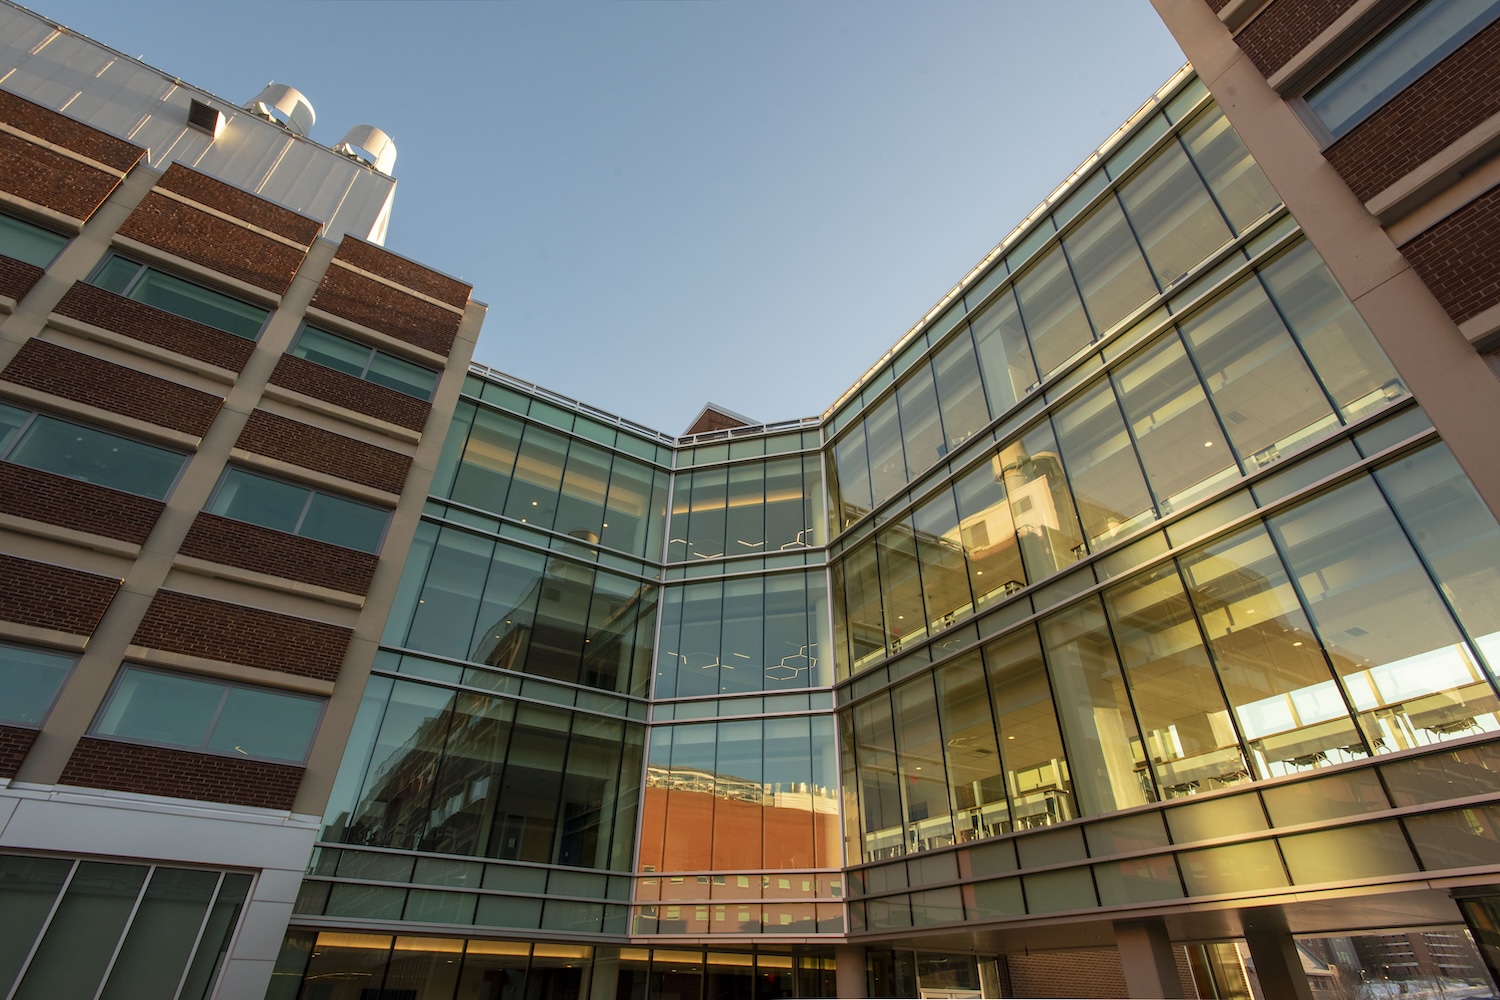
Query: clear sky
[670,203]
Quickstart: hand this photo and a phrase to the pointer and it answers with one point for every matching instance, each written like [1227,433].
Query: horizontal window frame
[8,448]
[312,493]
[72,655]
[374,353]
[12,218]
[1348,68]
[228,687]
[143,268]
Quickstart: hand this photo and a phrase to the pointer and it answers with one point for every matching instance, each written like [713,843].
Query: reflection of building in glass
[1128,629]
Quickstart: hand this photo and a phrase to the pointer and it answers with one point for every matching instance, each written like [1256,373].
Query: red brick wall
[216,243]
[248,546]
[241,204]
[351,393]
[154,326]
[15,742]
[183,623]
[324,451]
[1092,972]
[17,277]
[1443,104]
[713,420]
[66,132]
[181,774]
[1218,5]
[52,499]
[47,596]
[1459,258]
[86,379]
[39,175]
[391,311]
[378,260]
[1285,28]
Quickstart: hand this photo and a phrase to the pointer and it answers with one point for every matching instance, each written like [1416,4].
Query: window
[29,682]
[209,715]
[298,510]
[48,444]
[1416,42]
[26,242]
[182,298]
[352,358]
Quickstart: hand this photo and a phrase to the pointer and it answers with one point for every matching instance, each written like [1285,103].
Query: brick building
[1130,628]
[219,418]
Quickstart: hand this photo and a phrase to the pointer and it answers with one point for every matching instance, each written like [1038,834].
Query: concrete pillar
[1278,964]
[849,971]
[1146,958]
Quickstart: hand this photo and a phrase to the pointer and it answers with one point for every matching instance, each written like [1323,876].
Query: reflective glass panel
[1404,51]
[921,427]
[960,390]
[1290,709]
[900,585]
[1036,767]
[945,576]
[1189,735]
[25,242]
[1405,667]
[1341,348]
[919,746]
[865,618]
[987,532]
[852,466]
[580,505]
[880,807]
[1258,380]
[1175,218]
[1236,181]
[887,463]
[1105,754]
[29,682]
[1054,315]
[97,457]
[487,460]
[1456,534]
[976,779]
[1102,467]
[1111,271]
[404,376]
[537,478]
[199,304]
[1041,503]
[1004,353]
[1176,432]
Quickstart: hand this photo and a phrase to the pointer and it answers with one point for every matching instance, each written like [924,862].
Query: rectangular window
[182,298]
[29,682]
[26,242]
[210,716]
[353,358]
[299,510]
[1394,59]
[48,444]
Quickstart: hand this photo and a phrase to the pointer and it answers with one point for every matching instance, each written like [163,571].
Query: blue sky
[670,203]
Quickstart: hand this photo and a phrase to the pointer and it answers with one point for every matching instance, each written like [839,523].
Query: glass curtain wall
[1346,625]
[1274,363]
[1184,202]
[95,928]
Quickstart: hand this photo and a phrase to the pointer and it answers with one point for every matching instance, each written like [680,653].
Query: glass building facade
[1134,576]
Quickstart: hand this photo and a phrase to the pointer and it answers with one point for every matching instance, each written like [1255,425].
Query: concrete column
[1146,958]
[849,971]
[1278,964]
